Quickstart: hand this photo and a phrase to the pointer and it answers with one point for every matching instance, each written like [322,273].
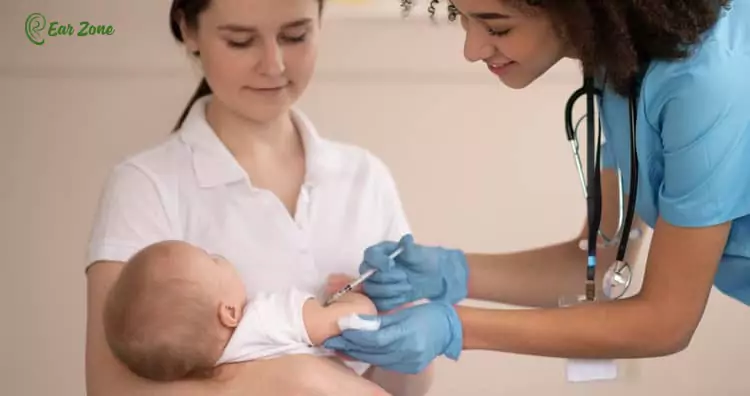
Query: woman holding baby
[244,179]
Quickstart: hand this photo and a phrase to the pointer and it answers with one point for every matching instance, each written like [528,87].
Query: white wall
[452,136]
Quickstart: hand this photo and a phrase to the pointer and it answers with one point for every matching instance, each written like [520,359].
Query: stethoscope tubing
[620,271]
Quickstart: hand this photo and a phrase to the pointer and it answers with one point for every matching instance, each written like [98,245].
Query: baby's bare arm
[322,322]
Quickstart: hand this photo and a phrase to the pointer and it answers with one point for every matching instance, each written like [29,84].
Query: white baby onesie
[272,325]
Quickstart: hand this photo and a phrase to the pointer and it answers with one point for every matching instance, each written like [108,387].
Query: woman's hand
[408,339]
[419,272]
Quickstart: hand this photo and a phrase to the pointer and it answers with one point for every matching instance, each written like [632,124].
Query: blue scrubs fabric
[693,141]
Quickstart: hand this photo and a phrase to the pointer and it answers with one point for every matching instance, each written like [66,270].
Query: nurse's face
[257,55]
[518,44]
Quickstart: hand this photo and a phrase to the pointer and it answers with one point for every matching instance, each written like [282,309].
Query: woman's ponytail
[203,90]
[187,11]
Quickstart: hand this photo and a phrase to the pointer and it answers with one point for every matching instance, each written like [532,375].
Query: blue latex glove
[419,272]
[407,340]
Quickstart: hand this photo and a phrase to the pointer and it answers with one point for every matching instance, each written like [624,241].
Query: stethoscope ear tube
[569,130]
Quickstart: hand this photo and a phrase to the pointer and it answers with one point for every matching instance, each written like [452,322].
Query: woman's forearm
[539,277]
[108,380]
[398,384]
[623,329]
[535,278]
[180,388]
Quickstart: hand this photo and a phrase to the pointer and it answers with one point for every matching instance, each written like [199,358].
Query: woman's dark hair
[619,36]
[190,10]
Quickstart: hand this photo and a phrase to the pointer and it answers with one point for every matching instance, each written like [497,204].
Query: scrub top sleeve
[130,216]
[706,142]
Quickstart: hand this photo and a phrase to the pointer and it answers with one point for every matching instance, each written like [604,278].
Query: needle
[351,285]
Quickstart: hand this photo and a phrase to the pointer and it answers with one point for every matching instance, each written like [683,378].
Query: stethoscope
[619,275]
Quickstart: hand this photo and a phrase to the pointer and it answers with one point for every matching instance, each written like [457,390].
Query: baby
[177,312]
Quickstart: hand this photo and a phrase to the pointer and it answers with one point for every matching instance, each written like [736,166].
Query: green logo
[35,24]
[36,29]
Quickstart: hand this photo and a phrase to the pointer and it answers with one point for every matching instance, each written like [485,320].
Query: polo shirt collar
[215,165]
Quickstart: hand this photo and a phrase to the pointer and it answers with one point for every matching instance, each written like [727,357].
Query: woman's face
[518,44]
[258,56]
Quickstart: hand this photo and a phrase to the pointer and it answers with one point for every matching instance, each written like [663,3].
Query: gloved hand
[407,340]
[419,272]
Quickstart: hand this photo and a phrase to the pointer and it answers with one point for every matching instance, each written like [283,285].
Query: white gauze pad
[354,322]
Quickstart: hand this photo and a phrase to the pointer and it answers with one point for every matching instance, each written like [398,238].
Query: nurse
[247,175]
[689,63]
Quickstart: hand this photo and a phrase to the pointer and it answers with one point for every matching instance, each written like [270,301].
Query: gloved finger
[390,304]
[412,255]
[393,276]
[343,344]
[368,341]
[379,290]
[339,343]
[376,256]
[406,241]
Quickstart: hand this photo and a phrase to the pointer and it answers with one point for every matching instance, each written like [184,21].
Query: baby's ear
[229,315]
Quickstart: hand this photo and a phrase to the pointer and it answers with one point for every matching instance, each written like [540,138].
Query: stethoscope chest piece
[617,280]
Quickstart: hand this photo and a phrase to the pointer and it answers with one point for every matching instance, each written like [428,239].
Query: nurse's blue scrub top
[693,141]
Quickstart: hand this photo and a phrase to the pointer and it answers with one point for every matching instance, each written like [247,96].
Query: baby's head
[172,311]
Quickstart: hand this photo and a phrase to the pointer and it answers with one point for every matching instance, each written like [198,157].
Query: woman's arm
[399,384]
[704,189]
[104,374]
[660,320]
[292,375]
[539,277]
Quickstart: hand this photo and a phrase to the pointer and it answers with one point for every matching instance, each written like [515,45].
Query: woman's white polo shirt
[191,188]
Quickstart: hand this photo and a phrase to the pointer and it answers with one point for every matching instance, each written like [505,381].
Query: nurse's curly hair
[620,36]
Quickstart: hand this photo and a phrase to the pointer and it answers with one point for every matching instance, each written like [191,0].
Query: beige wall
[72,108]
